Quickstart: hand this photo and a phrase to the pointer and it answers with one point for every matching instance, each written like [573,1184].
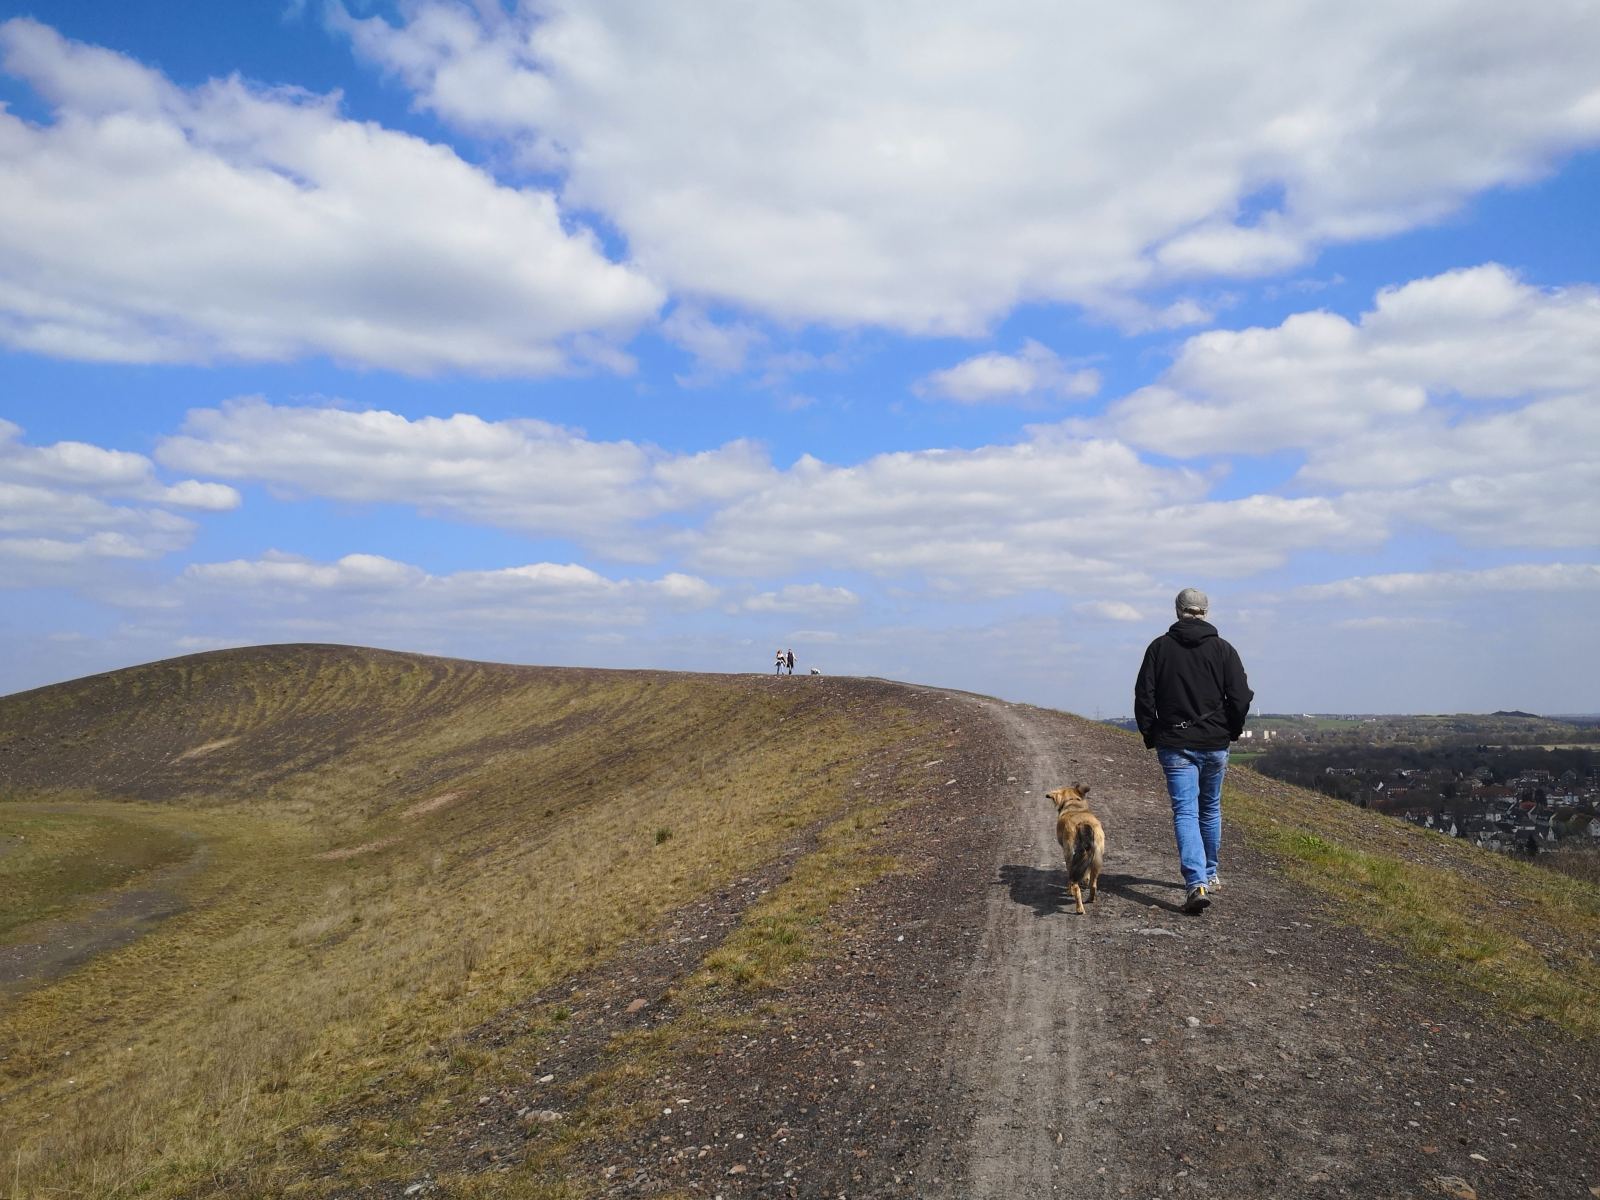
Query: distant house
[1442,822]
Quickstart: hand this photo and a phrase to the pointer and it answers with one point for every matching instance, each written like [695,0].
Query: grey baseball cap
[1192,600]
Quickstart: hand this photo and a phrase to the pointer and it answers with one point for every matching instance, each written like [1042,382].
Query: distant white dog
[814,671]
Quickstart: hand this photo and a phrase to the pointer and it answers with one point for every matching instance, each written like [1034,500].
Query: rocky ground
[968,1036]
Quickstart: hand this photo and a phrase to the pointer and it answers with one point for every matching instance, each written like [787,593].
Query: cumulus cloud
[1445,585]
[1109,610]
[1319,381]
[517,474]
[95,469]
[803,598]
[278,570]
[930,168]
[60,515]
[148,222]
[378,593]
[62,552]
[1468,402]
[718,349]
[1053,511]
[1034,373]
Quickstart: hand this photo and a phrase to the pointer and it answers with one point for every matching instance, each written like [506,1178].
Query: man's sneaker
[1213,884]
[1197,899]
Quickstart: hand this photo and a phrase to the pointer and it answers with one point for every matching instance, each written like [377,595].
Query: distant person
[777,663]
[1190,701]
[788,659]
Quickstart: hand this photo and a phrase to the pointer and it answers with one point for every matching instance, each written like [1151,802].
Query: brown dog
[1082,840]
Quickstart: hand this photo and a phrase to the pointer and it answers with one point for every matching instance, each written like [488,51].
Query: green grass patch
[1523,937]
[791,925]
[53,861]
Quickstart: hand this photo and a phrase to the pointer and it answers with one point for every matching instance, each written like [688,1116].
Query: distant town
[1510,781]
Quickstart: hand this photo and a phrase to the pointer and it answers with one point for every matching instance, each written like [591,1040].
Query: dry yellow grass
[293,980]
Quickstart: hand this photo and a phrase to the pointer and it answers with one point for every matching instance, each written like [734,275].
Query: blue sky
[935,346]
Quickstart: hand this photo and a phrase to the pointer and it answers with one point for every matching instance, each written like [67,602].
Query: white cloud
[930,168]
[516,474]
[152,223]
[82,467]
[1222,248]
[1109,610]
[1035,373]
[191,493]
[66,516]
[718,349]
[62,552]
[1050,512]
[353,572]
[1386,624]
[380,595]
[1548,436]
[1448,585]
[1468,402]
[804,598]
[60,520]
[1317,380]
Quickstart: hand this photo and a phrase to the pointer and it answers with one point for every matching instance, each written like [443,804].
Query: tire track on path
[1029,1020]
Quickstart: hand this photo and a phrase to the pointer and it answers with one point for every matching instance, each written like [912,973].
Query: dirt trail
[1258,1049]
[1026,1024]
[111,919]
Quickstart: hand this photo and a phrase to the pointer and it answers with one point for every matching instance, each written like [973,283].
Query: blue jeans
[1194,782]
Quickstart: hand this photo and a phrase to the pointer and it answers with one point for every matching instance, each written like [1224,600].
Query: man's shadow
[1045,891]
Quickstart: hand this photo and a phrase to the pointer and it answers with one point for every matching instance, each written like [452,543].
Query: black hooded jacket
[1192,693]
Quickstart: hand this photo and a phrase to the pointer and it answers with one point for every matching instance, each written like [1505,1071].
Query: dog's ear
[1083,789]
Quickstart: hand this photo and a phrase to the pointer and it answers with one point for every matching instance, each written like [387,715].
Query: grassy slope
[1526,937]
[51,860]
[394,848]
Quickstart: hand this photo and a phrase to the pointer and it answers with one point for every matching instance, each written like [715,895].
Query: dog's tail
[1085,851]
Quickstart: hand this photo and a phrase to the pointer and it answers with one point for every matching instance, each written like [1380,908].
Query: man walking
[1190,701]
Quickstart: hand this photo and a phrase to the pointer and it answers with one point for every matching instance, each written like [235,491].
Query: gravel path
[110,919]
[1258,1049]
[1028,1024]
